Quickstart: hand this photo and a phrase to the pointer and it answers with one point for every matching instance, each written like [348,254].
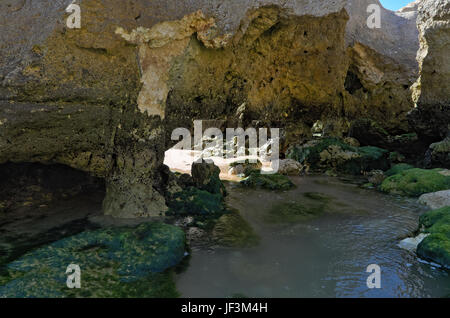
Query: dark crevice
[352,82]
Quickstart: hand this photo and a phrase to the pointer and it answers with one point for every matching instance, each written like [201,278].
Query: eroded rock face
[104,98]
[382,64]
[431,93]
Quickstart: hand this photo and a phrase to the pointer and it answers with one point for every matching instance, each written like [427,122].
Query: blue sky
[394,5]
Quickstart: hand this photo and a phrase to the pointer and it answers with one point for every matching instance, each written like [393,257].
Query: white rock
[436,200]
[411,243]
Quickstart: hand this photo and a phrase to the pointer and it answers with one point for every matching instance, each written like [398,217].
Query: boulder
[115,262]
[436,246]
[290,167]
[335,154]
[206,176]
[436,200]
[196,202]
[439,154]
[415,182]
[275,182]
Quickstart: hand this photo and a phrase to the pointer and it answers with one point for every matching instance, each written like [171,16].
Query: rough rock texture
[431,93]
[290,167]
[439,154]
[104,98]
[115,262]
[436,200]
[382,63]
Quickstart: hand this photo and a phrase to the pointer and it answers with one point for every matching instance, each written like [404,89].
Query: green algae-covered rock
[398,168]
[206,176]
[267,181]
[336,154]
[436,247]
[415,182]
[193,201]
[247,166]
[232,230]
[115,262]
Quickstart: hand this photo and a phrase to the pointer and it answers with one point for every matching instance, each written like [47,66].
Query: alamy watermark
[74,276]
[374,19]
[374,279]
[259,145]
[74,19]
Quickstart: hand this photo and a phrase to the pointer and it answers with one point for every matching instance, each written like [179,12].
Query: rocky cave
[86,117]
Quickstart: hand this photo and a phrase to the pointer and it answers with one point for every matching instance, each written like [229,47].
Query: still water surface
[324,257]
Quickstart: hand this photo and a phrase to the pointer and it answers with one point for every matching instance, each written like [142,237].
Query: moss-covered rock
[205,176]
[232,230]
[436,247]
[247,166]
[115,262]
[267,181]
[310,153]
[336,154]
[398,168]
[196,202]
[415,182]
[370,158]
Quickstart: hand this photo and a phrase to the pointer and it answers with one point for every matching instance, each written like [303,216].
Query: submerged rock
[311,206]
[436,246]
[436,200]
[415,182]
[232,230]
[114,262]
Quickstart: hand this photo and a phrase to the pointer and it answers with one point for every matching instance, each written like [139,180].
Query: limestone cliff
[431,93]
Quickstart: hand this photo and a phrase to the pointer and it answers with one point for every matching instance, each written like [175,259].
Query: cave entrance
[226,154]
[41,204]
[35,185]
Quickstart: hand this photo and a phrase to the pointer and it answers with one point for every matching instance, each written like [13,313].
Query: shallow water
[324,257]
